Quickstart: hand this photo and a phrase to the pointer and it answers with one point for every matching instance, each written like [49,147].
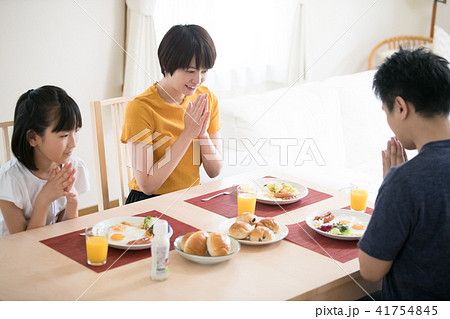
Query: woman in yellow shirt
[174,126]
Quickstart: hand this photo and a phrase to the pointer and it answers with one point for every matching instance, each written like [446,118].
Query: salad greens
[340,229]
[274,187]
[336,229]
[148,225]
[279,186]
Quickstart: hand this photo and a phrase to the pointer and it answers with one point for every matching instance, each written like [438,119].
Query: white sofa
[331,132]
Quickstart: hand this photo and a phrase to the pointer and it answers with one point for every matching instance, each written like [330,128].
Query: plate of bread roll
[206,247]
[249,229]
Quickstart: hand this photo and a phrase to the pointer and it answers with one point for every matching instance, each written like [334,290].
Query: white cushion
[340,115]
[441,43]
[365,130]
[304,119]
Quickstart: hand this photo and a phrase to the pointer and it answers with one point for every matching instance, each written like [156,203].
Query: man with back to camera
[407,242]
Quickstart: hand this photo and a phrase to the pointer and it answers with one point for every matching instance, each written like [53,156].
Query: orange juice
[358,199]
[97,250]
[246,202]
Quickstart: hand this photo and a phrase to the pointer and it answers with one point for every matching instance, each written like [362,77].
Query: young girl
[174,126]
[41,185]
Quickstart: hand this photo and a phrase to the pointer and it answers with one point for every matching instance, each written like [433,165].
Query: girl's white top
[19,186]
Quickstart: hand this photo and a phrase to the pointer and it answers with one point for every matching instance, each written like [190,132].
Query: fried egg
[119,227]
[358,228]
[128,234]
[117,237]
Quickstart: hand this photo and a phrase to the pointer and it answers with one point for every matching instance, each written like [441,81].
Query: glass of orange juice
[246,198]
[96,245]
[358,198]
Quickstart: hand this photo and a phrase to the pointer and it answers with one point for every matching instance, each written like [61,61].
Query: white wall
[443,16]
[344,32]
[55,42]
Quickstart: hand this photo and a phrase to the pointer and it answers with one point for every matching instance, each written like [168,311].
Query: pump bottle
[160,251]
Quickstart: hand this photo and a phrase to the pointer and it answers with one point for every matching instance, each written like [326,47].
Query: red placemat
[73,245]
[226,205]
[340,250]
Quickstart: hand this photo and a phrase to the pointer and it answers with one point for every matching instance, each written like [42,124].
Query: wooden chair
[112,155]
[6,140]
[406,41]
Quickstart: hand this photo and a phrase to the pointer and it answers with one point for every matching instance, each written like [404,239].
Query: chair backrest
[406,42]
[111,154]
[6,140]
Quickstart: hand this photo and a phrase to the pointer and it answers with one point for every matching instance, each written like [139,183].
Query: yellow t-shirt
[151,120]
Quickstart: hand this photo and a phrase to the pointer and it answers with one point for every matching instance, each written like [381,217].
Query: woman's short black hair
[36,110]
[181,43]
[418,76]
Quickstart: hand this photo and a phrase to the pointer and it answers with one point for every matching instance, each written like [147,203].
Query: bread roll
[240,230]
[184,239]
[196,243]
[246,218]
[261,233]
[218,244]
[270,223]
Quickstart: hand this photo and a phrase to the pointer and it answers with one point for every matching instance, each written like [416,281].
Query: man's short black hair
[418,76]
[181,43]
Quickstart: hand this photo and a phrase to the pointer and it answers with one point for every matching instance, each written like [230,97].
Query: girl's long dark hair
[36,110]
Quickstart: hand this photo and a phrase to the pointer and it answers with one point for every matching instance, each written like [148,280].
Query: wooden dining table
[33,265]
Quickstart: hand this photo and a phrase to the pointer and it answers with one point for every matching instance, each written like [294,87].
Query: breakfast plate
[207,260]
[356,221]
[122,234]
[282,233]
[264,196]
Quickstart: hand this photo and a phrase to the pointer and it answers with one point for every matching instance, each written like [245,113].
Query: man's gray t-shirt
[411,226]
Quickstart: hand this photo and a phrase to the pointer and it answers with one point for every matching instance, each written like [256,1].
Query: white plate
[263,197]
[131,233]
[282,232]
[207,260]
[341,214]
